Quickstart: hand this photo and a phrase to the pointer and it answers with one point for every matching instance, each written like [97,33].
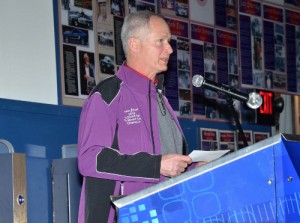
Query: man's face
[155,47]
[86,60]
[102,8]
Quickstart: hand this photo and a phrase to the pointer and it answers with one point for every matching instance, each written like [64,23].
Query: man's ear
[133,44]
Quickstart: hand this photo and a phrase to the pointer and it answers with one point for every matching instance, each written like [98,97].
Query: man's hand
[174,164]
[201,163]
[86,77]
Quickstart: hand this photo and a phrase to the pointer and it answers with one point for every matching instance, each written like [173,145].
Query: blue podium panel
[259,183]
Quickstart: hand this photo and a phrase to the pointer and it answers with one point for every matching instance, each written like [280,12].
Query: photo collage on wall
[91,47]
[78,51]
[243,44]
[214,139]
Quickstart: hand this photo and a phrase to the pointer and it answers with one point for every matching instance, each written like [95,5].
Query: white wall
[27,51]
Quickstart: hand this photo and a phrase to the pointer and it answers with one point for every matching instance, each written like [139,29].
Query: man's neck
[140,73]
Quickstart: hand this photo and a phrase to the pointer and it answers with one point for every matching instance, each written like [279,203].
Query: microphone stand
[237,121]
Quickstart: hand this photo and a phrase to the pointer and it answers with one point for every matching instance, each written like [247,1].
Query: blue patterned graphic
[259,183]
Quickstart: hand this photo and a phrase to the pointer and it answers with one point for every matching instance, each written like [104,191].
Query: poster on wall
[70,70]
[174,8]
[248,137]
[259,136]
[202,11]
[105,37]
[226,14]
[203,58]
[177,78]
[251,43]
[292,28]
[274,50]
[227,140]
[227,70]
[209,139]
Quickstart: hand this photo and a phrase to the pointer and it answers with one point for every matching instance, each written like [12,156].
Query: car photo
[182,45]
[107,65]
[76,36]
[185,108]
[181,10]
[79,19]
[105,38]
[85,21]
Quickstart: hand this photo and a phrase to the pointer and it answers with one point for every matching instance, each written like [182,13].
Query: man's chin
[164,68]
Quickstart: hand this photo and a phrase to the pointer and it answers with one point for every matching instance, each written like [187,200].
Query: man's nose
[169,48]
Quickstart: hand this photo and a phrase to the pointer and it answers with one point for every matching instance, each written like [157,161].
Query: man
[87,75]
[103,15]
[129,137]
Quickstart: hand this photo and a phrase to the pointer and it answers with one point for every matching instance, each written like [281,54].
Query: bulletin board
[246,44]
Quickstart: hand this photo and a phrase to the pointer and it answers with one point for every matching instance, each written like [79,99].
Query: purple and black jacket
[118,142]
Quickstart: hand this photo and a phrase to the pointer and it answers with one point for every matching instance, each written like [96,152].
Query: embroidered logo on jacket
[132,116]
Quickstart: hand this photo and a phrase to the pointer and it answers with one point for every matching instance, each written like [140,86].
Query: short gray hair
[133,24]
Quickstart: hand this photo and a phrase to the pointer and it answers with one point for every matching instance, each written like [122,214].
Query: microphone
[253,100]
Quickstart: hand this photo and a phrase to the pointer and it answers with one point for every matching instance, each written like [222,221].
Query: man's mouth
[166,60]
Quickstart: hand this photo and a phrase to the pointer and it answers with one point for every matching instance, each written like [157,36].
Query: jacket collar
[135,80]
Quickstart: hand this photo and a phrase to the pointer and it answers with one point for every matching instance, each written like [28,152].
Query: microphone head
[255,100]
[197,80]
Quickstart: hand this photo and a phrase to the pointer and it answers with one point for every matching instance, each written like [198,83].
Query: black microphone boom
[253,100]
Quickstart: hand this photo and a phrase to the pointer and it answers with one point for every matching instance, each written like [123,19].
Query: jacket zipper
[122,188]
[151,125]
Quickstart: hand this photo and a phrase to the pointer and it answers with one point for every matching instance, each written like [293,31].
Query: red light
[267,107]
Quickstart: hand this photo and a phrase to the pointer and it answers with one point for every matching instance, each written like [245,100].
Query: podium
[259,183]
